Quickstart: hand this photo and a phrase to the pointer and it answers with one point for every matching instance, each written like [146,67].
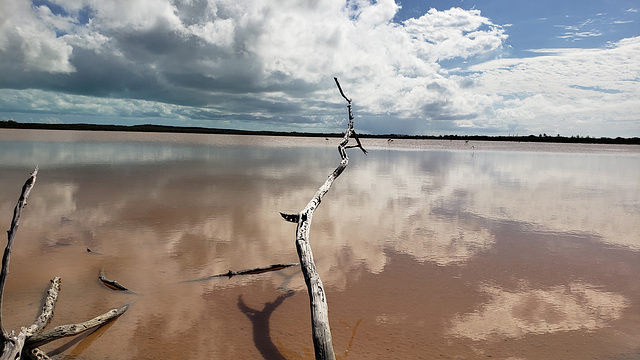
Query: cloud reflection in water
[171,210]
[576,306]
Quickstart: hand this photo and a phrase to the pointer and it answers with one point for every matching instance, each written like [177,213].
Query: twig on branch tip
[341,92]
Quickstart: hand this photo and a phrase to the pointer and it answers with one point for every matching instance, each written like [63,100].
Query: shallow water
[427,249]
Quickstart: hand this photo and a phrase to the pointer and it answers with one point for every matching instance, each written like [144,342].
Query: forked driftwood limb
[318,301]
[12,345]
[25,343]
[74,329]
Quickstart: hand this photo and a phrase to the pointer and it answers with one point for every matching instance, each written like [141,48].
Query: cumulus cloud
[239,56]
[28,40]
[260,64]
[588,87]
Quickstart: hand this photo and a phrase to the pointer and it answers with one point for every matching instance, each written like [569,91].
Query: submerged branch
[111,284]
[258,270]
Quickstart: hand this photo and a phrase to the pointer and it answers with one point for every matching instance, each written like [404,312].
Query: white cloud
[28,40]
[281,53]
[37,101]
[577,35]
[454,33]
[271,63]
[566,91]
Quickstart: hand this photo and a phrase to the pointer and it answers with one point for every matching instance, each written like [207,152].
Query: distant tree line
[529,138]
[10,124]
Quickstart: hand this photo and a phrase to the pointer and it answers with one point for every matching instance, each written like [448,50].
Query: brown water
[427,249]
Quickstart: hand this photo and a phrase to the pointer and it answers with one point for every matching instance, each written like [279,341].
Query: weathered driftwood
[70,330]
[12,345]
[25,343]
[111,284]
[11,235]
[41,322]
[318,301]
[254,271]
[37,354]
[47,309]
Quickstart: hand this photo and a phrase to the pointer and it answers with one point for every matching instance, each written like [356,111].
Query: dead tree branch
[35,354]
[70,330]
[318,301]
[47,309]
[254,271]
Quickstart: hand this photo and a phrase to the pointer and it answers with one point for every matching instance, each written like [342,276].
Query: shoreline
[200,130]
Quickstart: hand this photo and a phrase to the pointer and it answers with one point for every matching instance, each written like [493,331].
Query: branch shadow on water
[260,323]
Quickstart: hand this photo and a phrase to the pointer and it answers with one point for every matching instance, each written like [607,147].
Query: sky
[418,67]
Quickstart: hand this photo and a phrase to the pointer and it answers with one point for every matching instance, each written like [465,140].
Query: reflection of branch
[260,325]
[286,279]
[258,270]
[319,310]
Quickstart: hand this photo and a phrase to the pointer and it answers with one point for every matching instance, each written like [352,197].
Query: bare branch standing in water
[318,301]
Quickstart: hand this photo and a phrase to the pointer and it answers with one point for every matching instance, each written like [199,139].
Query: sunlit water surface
[427,249]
